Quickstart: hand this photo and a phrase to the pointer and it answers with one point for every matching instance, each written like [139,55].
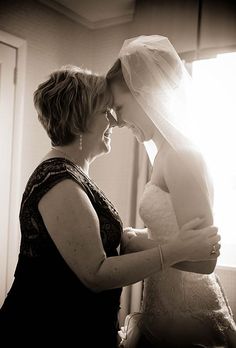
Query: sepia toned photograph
[118,173]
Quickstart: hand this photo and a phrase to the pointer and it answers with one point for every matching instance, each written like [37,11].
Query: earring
[81,142]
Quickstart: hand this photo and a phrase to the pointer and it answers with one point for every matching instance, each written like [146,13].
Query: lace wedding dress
[179,309]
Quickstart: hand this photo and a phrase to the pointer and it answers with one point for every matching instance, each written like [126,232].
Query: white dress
[179,308]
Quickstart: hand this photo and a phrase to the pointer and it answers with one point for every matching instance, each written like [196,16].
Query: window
[214,118]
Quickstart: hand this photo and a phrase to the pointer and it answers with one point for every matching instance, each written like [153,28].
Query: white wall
[52,40]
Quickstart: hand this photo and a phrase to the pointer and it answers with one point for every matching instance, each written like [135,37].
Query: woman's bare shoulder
[188,155]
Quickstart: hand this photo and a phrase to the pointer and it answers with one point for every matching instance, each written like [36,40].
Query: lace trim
[35,238]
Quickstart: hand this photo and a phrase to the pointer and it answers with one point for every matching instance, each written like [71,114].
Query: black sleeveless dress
[47,302]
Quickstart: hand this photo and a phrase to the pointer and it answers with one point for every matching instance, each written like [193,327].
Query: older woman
[69,275]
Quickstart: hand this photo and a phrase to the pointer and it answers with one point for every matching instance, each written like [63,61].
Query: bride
[183,306]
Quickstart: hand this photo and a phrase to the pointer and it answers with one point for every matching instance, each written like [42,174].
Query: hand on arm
[194,241]
[128,234]
[74,227]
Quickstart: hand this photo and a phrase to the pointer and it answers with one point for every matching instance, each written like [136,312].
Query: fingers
[210,231]
[214,247]
[214,239]
[131,234]
[214,256]
[193,224]
[217,246]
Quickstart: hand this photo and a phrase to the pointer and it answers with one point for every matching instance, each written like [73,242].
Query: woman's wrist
[170,254]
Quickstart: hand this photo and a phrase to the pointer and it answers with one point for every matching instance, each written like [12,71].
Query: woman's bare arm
[189,196]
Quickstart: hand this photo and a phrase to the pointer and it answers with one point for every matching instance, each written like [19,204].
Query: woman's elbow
[95,283]
[96,288]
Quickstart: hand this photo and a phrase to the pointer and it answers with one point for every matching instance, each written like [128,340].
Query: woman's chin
[107,145]
[138,135]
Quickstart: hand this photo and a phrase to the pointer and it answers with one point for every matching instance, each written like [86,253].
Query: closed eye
[111,117]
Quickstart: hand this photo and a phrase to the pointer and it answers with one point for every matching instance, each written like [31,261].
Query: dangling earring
[81,142]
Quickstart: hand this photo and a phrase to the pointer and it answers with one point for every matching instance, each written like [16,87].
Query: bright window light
[214,119]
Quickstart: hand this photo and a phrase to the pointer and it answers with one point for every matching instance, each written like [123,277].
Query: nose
[112,121]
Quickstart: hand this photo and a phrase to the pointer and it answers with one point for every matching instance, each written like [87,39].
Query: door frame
[16,161]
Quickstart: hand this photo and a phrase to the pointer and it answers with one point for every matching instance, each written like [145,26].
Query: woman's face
[130,113]
[99,133]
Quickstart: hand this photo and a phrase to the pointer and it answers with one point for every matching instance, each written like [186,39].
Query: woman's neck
[158,139]
[73,154]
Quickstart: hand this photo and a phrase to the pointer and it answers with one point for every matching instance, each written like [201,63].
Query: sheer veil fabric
[160,83]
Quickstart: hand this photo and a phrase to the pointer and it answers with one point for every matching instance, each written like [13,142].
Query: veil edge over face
[158,80]
[160,83]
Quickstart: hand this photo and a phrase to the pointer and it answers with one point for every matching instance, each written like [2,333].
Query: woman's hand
[128,233]
[132,239]
[197,244]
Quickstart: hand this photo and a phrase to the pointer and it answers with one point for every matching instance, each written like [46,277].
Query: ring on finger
[213,250]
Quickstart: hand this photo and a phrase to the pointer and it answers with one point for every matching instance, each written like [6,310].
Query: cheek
[135,115]
[102,129]
[130,113]
[98,126]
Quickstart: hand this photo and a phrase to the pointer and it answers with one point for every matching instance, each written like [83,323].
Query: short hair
[66,101]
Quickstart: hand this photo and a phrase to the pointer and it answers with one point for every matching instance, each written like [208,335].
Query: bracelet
[161,257]
[127,229]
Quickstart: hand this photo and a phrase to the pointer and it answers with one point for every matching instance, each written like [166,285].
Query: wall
[51,39]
